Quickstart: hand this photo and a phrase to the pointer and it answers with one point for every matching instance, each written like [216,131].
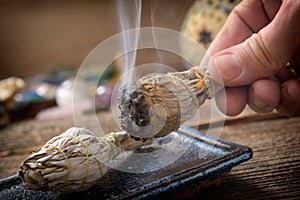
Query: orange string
[201,83]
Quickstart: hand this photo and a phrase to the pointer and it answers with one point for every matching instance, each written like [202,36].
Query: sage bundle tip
[179,95]
[74,160]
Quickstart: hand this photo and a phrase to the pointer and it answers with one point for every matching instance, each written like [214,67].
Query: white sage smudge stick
[74,160]
[179,95]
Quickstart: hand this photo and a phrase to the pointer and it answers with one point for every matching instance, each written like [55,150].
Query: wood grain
[274,170]
[272,173]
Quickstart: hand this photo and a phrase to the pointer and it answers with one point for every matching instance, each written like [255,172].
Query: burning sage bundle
[158,104]
[74,161]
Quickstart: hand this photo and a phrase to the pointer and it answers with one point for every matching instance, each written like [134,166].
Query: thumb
[263,54]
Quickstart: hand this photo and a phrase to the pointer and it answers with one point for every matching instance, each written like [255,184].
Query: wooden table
[272,173]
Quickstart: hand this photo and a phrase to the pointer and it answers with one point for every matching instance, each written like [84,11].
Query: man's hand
[251,53]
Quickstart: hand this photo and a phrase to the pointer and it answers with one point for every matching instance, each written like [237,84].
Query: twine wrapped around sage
[178,94]
[74,160]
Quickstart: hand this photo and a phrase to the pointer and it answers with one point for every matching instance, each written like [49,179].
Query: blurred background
[37,35]
[43,44]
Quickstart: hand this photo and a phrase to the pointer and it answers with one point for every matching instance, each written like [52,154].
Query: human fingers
[264,53]
[232,101]
[247,18]
[264,95]
[290,98]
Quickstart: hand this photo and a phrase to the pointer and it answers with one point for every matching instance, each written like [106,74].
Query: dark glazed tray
[187,172]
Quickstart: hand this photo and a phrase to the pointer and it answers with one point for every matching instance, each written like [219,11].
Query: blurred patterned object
[9,86]
[203,22]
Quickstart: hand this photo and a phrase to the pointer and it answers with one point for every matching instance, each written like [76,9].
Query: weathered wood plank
[274,170]
[272,173]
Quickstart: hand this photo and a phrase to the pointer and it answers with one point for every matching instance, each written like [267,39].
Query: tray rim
[240,153]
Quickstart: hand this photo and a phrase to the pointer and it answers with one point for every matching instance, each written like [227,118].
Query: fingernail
[260,103]
[288,91]
[257,104]
[291,91]
[227,66]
